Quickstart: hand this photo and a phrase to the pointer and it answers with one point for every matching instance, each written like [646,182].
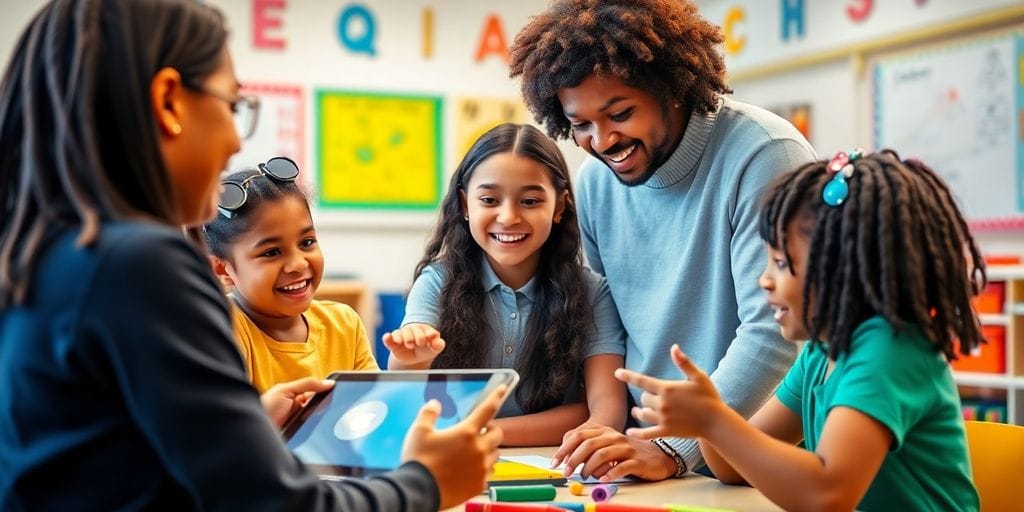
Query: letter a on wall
[492,41]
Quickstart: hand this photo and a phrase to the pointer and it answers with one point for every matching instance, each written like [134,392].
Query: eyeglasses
[234,194]
[244,107]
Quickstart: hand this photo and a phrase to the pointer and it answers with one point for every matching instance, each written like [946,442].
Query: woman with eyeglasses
[120,385]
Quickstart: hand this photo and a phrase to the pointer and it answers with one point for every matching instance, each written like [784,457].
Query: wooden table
[690,490]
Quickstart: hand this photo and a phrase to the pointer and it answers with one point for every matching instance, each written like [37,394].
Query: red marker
[502,506]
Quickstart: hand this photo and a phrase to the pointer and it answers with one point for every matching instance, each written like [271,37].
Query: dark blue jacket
[121,389]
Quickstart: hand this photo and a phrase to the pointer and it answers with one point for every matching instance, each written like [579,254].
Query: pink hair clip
[840,168]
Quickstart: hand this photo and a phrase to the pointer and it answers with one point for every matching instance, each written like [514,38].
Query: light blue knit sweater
[682,254]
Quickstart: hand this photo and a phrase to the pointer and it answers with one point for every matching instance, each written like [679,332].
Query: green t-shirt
[904,383]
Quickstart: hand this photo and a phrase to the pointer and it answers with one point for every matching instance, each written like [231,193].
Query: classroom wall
[383,247]
[300,44]
[296,42]
[820,53]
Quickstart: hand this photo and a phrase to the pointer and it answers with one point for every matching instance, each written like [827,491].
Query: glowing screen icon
[361,420]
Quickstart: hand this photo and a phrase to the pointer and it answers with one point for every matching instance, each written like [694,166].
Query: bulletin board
[959,107]
[475,115]
[279,127]
[378,151]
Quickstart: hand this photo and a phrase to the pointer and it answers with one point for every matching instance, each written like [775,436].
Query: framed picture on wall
[475,115]
[798,114]
[378,150]
[280,127]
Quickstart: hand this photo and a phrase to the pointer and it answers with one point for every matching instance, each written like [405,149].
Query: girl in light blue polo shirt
[870,259]
[503,285]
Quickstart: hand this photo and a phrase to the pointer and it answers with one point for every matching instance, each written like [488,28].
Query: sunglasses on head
[233,194]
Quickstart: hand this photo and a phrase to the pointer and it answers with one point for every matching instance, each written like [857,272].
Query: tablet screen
[358,427]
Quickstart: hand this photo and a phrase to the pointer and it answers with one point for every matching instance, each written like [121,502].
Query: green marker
[523,493]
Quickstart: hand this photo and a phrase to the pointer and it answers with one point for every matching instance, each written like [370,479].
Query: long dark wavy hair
[561,313]
[898,247]
[663,47]
[78,138]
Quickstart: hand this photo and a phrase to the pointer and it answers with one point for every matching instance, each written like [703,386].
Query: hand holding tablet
[444,417]
[283,400]
[460,457]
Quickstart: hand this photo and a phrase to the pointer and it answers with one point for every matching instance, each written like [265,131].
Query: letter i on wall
[428,32]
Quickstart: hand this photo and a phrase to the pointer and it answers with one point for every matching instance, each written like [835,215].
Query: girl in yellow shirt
[264,248]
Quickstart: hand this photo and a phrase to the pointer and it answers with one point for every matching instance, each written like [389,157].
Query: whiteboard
[952,107]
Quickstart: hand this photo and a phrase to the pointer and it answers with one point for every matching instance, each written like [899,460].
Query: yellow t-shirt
[336,342]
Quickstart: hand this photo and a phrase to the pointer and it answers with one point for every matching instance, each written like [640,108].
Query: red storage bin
[991,299]
[989,357]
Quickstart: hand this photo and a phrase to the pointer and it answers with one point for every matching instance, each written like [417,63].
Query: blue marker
[574,507]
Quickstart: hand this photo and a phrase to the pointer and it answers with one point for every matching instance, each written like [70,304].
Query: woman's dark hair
[78,138]
[663,47]
[898,247]
[561,312]
[221,232]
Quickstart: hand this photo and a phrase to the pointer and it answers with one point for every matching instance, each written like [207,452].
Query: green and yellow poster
[378,150]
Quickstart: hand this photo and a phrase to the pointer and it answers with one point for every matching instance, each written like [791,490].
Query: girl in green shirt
[870,259]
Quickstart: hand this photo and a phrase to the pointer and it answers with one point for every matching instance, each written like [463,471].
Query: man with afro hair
[668,201]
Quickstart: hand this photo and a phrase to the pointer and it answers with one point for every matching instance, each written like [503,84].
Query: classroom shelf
[992,380]
[993,319]
[355,293]
[1006,386]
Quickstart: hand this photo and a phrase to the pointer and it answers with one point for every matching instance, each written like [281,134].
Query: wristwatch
[673,454]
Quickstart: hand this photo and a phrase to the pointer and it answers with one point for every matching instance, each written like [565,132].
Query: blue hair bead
[836,190]
[840,168]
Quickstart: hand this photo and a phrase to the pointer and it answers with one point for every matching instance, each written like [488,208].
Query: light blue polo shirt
[508,313]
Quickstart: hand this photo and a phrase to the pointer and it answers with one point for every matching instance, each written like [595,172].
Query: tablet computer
[357,428]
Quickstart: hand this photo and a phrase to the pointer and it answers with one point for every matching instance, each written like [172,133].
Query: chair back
[997,462]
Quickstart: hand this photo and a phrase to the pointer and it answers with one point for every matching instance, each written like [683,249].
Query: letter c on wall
[733,45]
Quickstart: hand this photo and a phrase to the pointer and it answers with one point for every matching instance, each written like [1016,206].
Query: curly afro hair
[661,46]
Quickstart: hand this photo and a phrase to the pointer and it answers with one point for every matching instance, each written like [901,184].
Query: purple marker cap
[603,492]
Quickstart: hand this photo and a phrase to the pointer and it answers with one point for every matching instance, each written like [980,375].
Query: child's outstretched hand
[460,457]
[683,408]
[414,346]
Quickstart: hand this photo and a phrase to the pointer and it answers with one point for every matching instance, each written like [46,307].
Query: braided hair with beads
[896,246]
